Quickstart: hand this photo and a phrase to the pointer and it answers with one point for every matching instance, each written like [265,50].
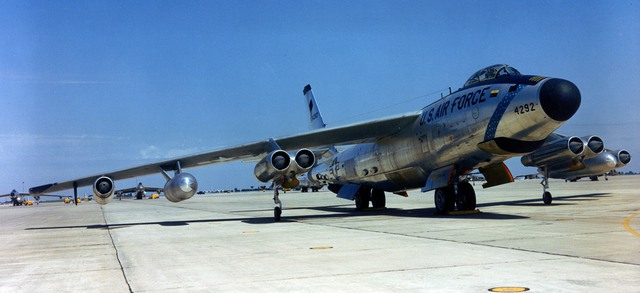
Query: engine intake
[555,152]
[274,164]
[593,146]
[180,187]
[623,156]
[279,163]
[305,160]
[103,189]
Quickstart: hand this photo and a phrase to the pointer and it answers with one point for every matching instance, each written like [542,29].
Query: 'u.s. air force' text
[458,103]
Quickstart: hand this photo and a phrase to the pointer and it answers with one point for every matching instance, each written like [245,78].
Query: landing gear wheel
[277,213]
[443,198]
[363,196]
[547,198]
[378,200]
[466,198]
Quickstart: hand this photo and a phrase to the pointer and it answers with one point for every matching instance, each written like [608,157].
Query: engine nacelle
[623,156]
[180,187]
[304,160]
[593,146]
[103,189]
[554,152]
[274,164]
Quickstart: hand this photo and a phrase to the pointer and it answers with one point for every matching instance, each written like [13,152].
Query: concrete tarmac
[588,240]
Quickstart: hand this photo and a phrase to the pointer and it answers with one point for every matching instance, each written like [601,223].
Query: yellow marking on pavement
[628,226]
[509,289]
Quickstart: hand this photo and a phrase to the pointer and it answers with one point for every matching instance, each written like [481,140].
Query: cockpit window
[491,72]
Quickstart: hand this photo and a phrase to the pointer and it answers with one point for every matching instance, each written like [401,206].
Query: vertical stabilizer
[314,112]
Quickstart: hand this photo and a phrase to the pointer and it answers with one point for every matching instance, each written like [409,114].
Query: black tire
[443,198]
[466,201]
[363,196]
[277,214]
[547,198]
[378,199]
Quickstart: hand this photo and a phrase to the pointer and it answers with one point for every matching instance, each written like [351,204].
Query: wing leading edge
[356,133]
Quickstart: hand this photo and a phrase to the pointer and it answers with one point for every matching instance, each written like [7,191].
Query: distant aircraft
[496,115]
[573,157]
[139,191]
[19,198]
[306,184]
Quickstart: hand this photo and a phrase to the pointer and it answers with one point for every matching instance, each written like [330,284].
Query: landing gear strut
[277,211]
[547,198]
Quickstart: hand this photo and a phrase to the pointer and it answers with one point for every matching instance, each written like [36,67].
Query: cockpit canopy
[491,72]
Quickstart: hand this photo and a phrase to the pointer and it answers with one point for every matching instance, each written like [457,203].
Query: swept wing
[344,135]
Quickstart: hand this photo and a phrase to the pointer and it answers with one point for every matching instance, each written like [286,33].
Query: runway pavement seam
[115,248]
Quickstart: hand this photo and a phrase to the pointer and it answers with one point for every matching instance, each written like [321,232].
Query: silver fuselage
[448,133]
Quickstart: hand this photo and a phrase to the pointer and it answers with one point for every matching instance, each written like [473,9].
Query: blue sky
[94,86]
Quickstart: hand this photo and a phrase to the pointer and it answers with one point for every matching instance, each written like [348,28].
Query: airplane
[580,157]
[498,114]
[18,198]
[306,184]
[139,191]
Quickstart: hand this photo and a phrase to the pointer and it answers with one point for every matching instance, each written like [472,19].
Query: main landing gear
[460,195]
[366,195]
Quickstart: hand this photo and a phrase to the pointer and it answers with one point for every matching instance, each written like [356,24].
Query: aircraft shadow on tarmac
[344,211]
[557,200]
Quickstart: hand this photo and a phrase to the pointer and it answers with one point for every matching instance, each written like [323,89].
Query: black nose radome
[559,98]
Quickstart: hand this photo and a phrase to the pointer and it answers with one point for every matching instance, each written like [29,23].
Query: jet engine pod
[623,156]
[594,146]
[554,152]
[103,189]
[305,160]
[180,187]
[274,164]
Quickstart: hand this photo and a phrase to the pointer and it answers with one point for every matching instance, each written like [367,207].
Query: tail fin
[314,112]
